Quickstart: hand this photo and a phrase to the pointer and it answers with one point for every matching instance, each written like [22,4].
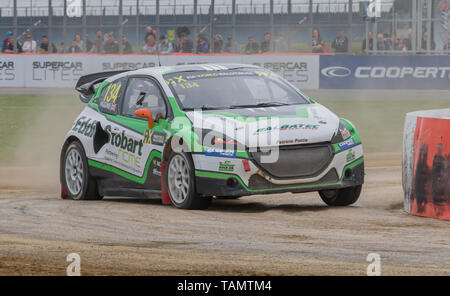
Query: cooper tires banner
[385,72]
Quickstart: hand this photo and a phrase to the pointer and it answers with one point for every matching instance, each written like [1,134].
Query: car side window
[143,93]
[111,96]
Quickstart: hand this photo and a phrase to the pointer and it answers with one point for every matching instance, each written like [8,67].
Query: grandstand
[295,19]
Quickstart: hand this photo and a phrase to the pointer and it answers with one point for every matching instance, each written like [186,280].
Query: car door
[111,134]
[142,157]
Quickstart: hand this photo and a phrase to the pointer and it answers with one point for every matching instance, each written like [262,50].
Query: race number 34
[111,92]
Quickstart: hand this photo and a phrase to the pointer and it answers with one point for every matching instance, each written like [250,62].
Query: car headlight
[342,133]
[211,138]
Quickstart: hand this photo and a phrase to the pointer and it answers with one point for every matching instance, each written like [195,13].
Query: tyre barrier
[426,163]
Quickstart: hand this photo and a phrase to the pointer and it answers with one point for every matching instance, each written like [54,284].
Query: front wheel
[341,197]
[79,183]
[180,180]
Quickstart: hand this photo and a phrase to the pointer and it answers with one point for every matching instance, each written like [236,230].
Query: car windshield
[227,89]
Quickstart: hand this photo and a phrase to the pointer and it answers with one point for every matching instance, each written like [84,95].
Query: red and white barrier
[426,163]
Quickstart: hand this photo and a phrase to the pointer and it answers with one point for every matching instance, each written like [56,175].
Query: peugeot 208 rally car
[191,133]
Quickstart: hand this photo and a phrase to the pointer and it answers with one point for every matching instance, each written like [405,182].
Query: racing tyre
[79,184]
[180,180]
[341,197]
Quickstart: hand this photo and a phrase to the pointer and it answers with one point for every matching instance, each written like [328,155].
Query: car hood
[269,126]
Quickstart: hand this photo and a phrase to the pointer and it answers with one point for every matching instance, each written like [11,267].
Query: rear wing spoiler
[86,84]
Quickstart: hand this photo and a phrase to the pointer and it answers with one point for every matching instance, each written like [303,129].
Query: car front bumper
[340,173]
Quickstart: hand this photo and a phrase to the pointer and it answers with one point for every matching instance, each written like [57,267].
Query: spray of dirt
[35,162]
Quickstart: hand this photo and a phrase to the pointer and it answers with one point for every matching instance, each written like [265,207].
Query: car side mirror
[85,98]
[145,113]
[86,92]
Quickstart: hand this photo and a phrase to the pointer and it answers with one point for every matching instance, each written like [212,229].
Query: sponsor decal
[108,99]
[226,166]
[347,144]
[85,126]
[156,164]
[222,141]
[134,161]
[292,141]
[387,72]
[402,72]
[345,133]
[120,140]
[285,127]
[154,137]
[220,152]
[350,155]
[336,71]
[56,70]
[176,79]
[124,158]
[111,154]
[7,70]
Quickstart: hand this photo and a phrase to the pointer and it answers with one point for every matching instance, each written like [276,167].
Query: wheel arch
[169,147]
[66,145]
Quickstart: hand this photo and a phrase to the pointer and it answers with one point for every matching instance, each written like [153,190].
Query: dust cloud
[34,164]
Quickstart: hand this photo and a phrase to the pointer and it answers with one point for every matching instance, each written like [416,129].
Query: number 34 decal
[112,92]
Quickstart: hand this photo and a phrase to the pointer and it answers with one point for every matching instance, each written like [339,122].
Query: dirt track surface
[284,234]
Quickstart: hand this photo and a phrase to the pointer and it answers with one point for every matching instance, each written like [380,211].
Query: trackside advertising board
[64,70]
[385,72]
[304,71]
[11,71]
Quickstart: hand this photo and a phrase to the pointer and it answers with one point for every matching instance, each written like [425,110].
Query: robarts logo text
[387,72]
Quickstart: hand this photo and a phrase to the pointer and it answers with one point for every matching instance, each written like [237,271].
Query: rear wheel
[180,180]
[79,184]
[341,197]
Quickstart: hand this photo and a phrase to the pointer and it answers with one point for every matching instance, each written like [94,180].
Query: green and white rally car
[193,132]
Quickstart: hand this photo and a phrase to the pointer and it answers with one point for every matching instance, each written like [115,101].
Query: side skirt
[130,192]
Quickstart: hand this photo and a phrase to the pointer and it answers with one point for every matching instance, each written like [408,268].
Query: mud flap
[164,191]
[64,192]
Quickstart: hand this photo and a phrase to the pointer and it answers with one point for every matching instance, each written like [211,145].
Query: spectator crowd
[106,43]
